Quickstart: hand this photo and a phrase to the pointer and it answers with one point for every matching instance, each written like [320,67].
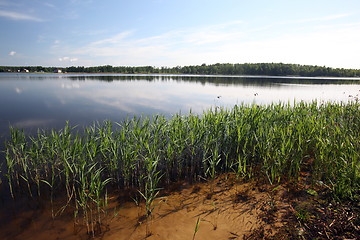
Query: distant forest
[269,69]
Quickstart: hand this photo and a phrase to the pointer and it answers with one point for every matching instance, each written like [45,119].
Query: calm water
[31,101]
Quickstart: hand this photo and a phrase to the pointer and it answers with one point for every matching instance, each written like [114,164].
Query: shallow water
[32,101]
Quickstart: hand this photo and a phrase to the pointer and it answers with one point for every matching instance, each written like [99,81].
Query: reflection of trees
[217,80]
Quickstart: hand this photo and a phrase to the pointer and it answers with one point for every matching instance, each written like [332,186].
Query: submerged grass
[270,141]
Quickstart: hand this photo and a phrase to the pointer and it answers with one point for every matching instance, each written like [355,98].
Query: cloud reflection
[107,99]
[50,102]
[70,86]
[28,123]
[18,90]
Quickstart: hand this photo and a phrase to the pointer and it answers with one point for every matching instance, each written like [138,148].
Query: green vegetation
[197,226]
[271,142]
[269,69]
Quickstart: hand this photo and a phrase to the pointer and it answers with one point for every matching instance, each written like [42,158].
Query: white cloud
[117,39]
[325,18]
[12,53]
[68,59]
[166,46]
[19,16]
[50,5]
[63,59]
[234,42]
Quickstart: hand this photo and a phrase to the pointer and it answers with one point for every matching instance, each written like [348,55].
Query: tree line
[269,69]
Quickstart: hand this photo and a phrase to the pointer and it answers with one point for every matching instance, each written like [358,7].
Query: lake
[32,101]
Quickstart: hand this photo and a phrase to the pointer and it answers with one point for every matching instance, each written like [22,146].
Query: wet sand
[226,209]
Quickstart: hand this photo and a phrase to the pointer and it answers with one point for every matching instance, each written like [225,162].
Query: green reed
[273,142]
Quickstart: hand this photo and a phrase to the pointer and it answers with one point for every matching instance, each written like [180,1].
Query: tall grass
[145,153]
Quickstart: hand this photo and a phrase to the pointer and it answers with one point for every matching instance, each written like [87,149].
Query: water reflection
[220,80]
[31,101]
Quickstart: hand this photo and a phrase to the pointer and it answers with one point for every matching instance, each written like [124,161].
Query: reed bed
[272,141]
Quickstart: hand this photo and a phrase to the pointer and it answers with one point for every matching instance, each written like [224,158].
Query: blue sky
[179,32]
